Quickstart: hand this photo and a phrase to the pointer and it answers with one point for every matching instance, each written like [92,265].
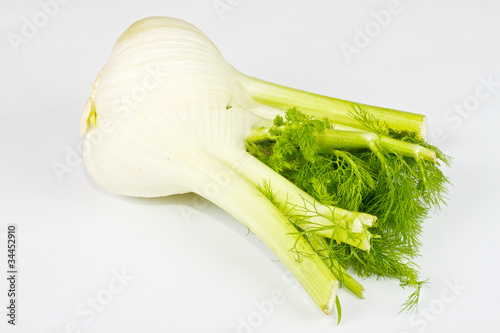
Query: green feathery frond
[399,190]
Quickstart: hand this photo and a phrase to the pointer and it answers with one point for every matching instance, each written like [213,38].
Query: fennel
[339,186]
[337,110]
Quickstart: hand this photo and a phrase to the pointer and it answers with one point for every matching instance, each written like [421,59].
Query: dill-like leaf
[375,125]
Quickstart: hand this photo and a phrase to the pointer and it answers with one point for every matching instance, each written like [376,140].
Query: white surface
[194,268]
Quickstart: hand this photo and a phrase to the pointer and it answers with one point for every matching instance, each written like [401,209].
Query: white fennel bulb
[163,83]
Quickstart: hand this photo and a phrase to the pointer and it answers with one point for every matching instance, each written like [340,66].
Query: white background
[190,266]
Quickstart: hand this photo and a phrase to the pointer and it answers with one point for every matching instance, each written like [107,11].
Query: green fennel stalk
[280,236]
[336,110]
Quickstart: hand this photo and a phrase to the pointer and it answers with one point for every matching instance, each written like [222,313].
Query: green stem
[241,199]
[336,110]
[308,214]
[346,140]
[321,246]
